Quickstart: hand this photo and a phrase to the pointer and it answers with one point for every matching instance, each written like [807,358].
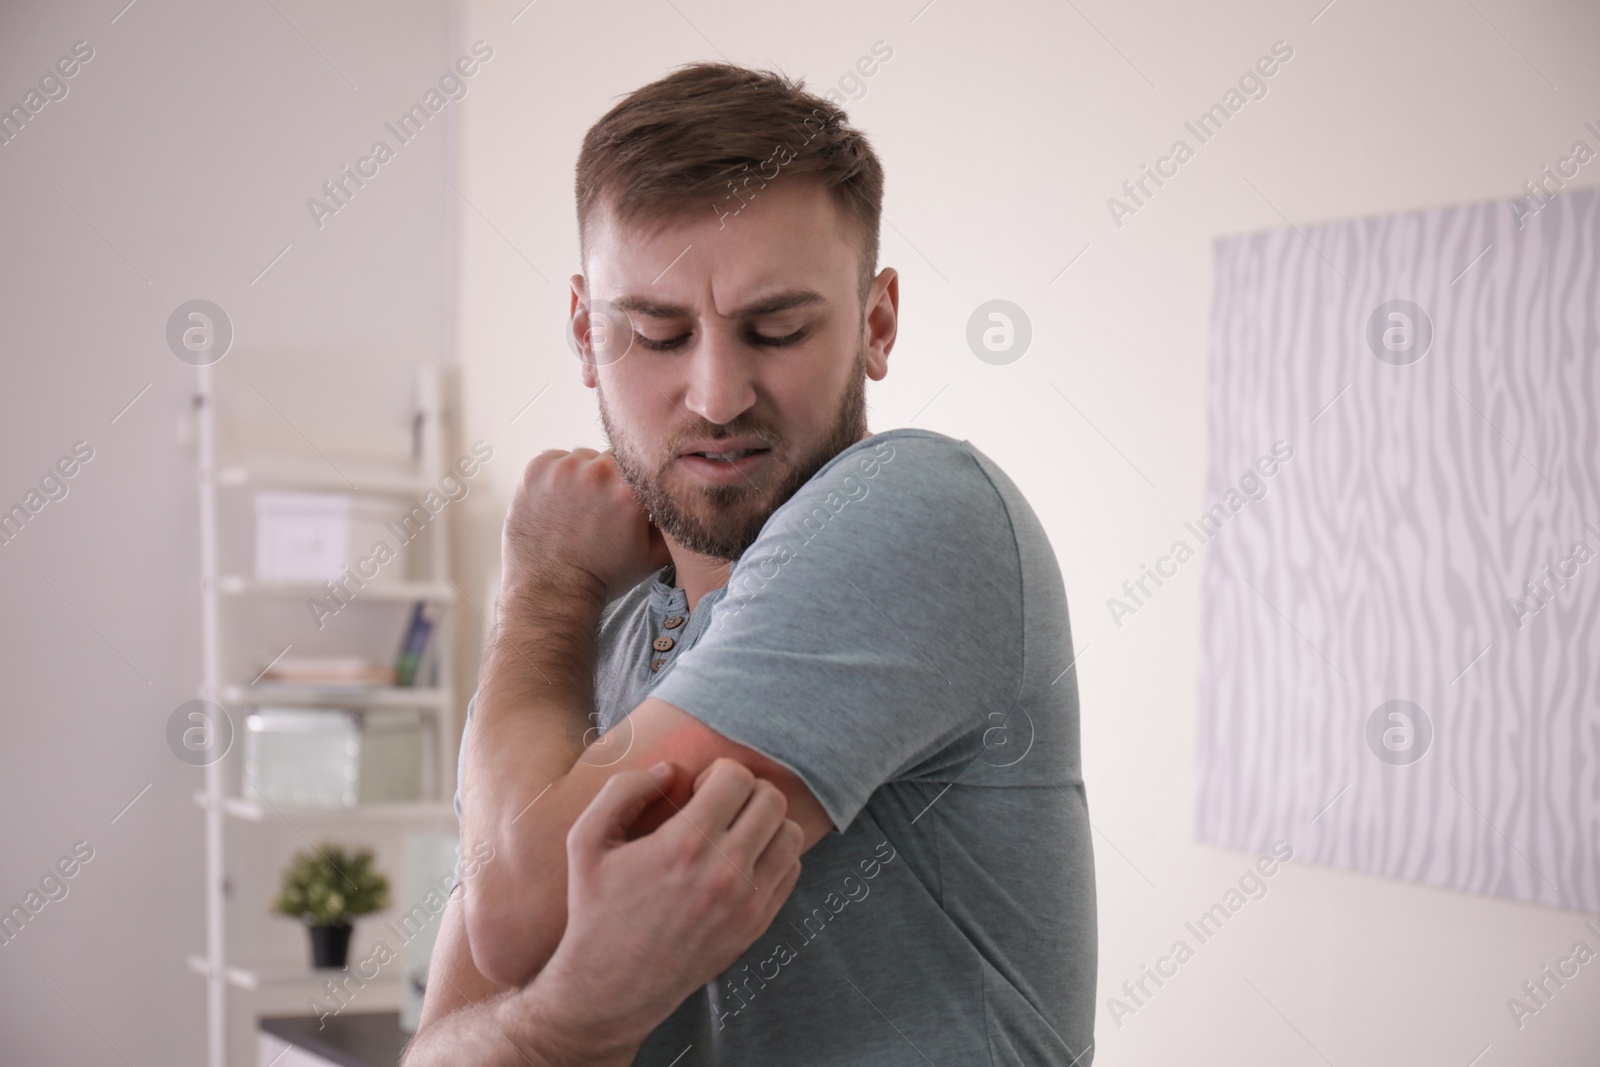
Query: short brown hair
[700,137]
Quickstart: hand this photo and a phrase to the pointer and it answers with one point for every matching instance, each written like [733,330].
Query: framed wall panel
[1400,665]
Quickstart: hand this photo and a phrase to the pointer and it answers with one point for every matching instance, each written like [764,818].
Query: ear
[882,321]
[578,314]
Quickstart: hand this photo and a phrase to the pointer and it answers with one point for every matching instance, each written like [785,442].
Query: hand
[575,522]
[653,919]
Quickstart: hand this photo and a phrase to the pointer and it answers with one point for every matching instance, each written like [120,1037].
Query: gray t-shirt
[898,637]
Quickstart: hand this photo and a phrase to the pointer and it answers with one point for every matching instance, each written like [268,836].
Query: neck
[695,574]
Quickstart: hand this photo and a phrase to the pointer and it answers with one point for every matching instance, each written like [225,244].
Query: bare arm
[468,1019]
[653,919]
[528,721]
[516,909]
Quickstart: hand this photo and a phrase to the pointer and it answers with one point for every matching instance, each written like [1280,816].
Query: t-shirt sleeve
[874,624]
[461,753]
[461,762]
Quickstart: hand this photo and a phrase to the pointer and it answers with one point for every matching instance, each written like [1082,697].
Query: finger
[618,806]
[782,886]
[756,822]
[782,852]
[724,788]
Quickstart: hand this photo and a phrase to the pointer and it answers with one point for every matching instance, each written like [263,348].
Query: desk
[350,1039]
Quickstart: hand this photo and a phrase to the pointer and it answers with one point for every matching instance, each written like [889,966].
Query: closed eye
[754,338]
[659,346]
[778,342]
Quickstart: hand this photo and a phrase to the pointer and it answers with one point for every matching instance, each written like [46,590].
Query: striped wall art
[1400,664]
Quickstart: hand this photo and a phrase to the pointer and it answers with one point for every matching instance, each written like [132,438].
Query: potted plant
[326,889]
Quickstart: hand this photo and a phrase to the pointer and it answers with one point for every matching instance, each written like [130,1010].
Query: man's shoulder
[915,473]
[919,447]
[902,505]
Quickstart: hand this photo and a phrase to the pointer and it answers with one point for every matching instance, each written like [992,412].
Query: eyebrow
[767,305]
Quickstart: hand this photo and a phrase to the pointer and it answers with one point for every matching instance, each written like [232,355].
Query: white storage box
[313,537]
[332,757]
[308,757]
[391,756]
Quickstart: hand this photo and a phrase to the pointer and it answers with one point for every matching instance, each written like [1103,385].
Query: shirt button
[672,622]
[655,664]
[663,644]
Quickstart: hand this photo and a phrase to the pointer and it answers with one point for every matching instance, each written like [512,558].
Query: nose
[720,387]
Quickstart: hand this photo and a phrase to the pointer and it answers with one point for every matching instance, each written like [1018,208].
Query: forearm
[535,693]
[521,1028]
[535,696]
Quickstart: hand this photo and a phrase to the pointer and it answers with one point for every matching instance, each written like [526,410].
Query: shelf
[367,478]
[238,585]
[241,449]
[263,975]
[310,693]
[251,811]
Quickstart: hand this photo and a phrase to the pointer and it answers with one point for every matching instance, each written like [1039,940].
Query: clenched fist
[575,525]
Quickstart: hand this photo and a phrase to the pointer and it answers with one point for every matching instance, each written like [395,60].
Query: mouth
[733,456]
[724,463]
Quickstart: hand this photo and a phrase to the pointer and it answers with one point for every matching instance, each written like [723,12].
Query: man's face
[748,359]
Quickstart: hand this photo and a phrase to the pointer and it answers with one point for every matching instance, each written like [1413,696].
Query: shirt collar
[665,597]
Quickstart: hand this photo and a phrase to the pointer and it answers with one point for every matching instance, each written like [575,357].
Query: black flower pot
[330,945]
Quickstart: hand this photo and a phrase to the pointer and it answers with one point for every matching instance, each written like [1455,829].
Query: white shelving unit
[232,599]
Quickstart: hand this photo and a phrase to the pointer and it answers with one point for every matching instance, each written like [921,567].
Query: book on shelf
[329,671]
[415,643]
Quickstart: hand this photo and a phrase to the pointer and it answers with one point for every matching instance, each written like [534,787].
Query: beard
[721,521]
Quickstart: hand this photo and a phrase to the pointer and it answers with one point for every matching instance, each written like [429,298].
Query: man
[875,624]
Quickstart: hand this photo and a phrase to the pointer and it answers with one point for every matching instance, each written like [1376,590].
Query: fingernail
[661,770]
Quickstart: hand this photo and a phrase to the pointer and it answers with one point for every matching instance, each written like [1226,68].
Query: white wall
[1004,128]
[190,144]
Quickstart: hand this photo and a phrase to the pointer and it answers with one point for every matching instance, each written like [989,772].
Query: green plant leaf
[330,885]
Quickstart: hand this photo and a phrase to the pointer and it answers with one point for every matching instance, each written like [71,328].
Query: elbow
[497,951]
[508,938]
